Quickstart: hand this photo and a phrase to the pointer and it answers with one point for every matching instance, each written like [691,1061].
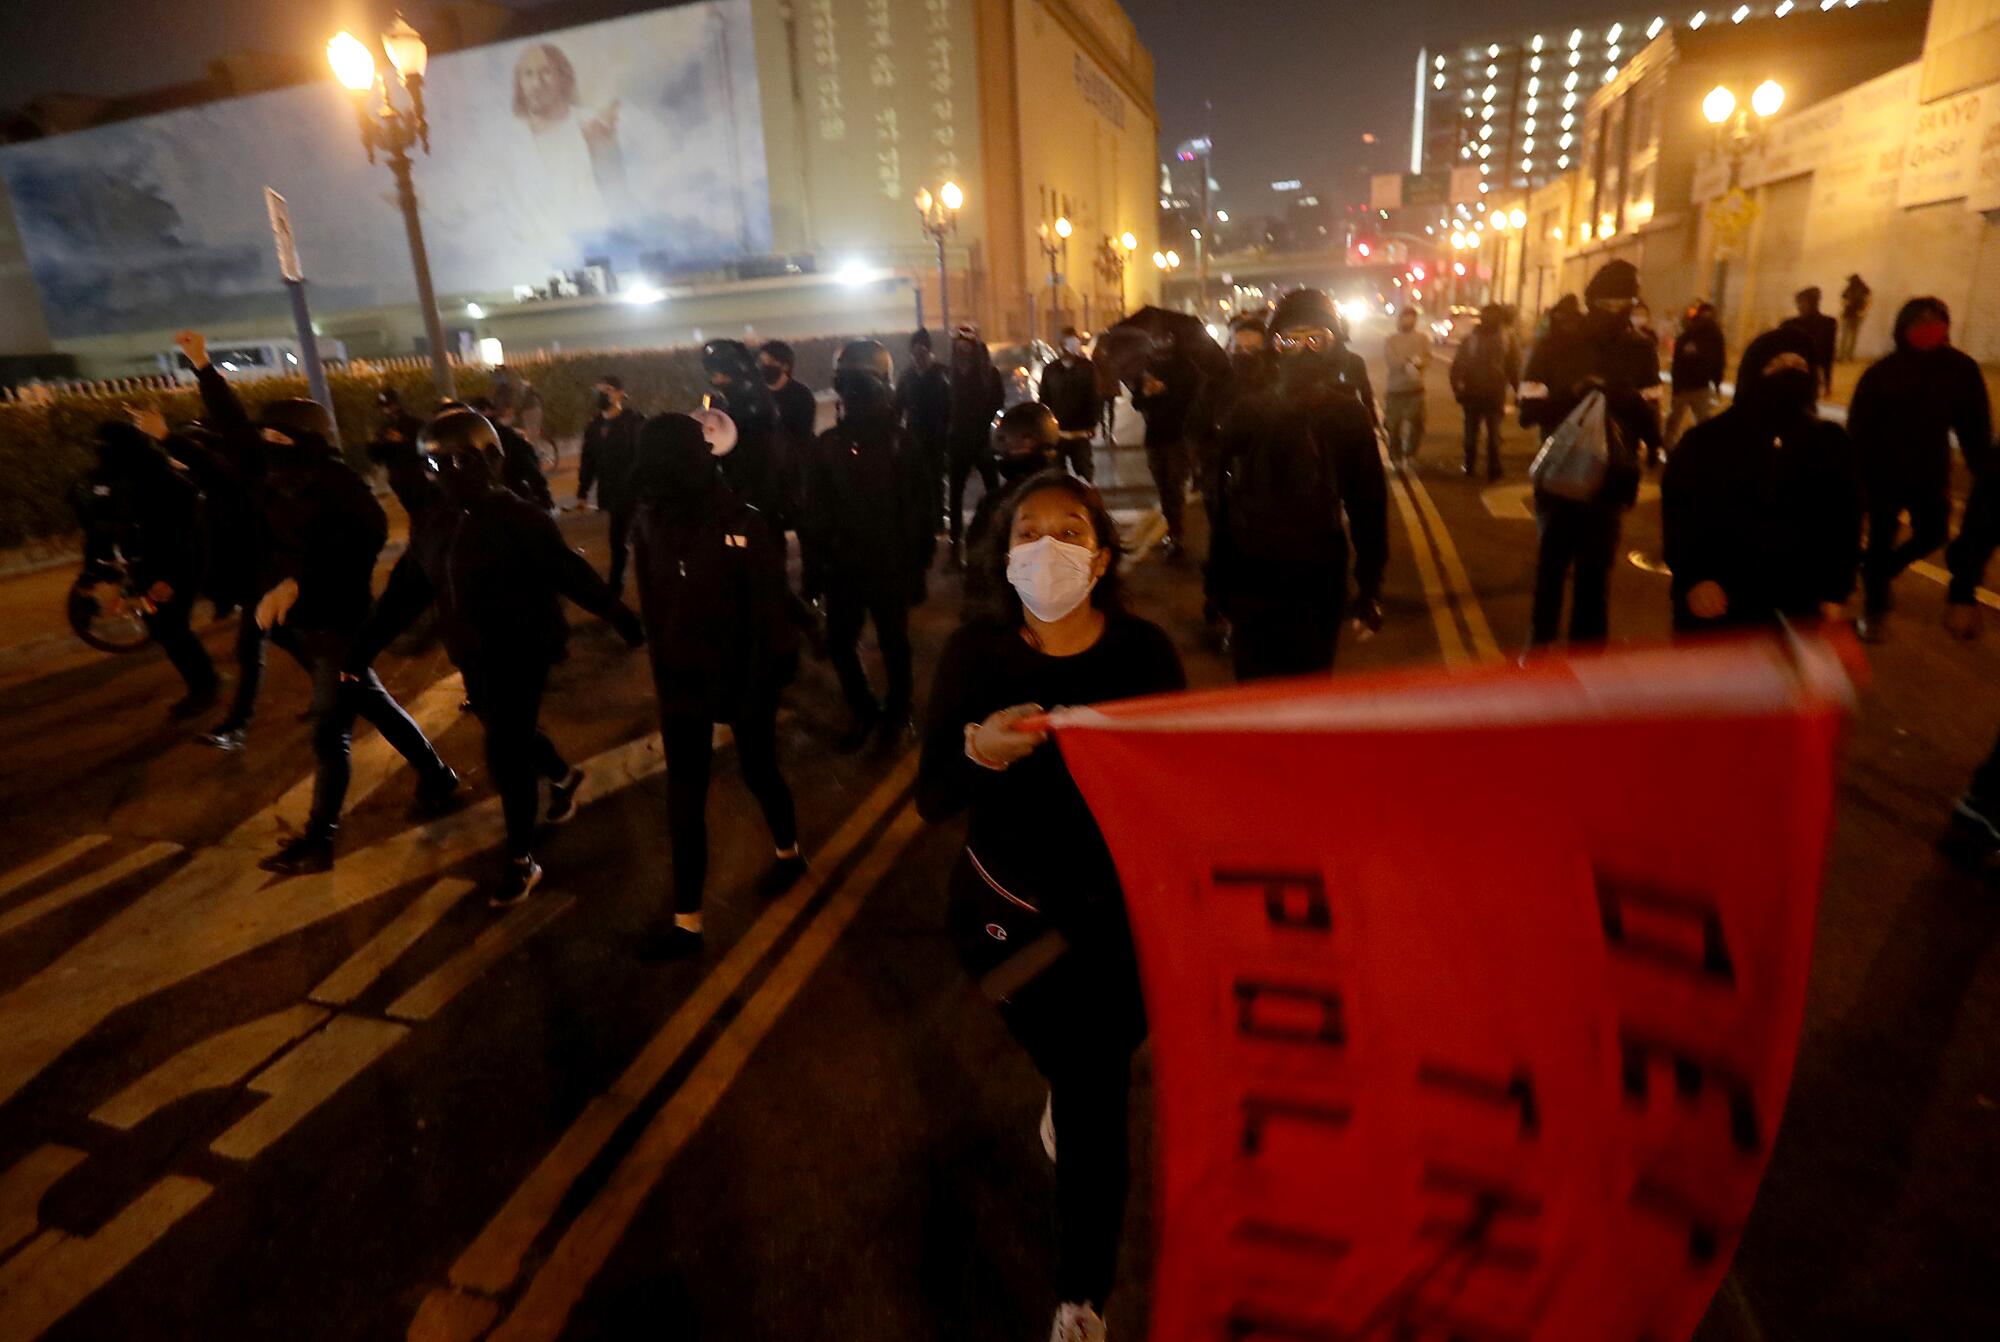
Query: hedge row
[45,448]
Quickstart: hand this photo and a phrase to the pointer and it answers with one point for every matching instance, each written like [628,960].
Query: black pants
[1583,537]
[1930,515]
[169,627]
[1168,461]
[1985,789]
[1073,1021]
[966,457]
[1269,637]
[1077,456]
[689,743]
[847,607]
[937,461]
[336,703]
[1485,415]
[508,702]
[621,528]
[249,668]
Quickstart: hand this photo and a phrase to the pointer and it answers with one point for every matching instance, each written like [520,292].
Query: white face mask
[1073,345]
[1052,577]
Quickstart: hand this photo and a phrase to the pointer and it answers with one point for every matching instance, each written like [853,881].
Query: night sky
[1293,83]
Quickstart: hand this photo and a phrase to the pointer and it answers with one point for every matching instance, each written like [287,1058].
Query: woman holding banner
[1036,908]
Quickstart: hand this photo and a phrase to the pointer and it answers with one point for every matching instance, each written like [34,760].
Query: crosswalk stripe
[361,969]
[57,1270]
[435,990]
[63,895]
[25,1184]
[219,1060]
[29,872]
[303,1079]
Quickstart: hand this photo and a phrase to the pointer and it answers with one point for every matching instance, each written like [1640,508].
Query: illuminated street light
[1718,106]
[939,218]
[1518,217]
[1173,260]
[353,64]
[1128,241]
[953,198]
[1064,228]
[1767,98]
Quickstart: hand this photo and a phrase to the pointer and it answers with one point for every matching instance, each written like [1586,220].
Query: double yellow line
[1462,630]
[489,1271]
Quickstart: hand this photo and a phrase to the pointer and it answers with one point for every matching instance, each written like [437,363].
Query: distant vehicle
[248,360]
[1455,324]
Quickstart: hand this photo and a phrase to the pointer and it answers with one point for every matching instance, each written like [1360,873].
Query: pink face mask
[1929,333]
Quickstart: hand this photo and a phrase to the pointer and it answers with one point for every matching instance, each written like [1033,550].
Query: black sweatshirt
[1030,827]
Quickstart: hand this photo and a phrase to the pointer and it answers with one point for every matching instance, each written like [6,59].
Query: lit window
[1611,55]
[1575,39]
[1570,83]
[1784,8]
[1528,145]
[1438,82]
[1534,87]
[1531,104]
[1562,161]
[1616,29]
[1535,63]
[1653,29]
[1486,132]
[1742,13]
[1527,165]
[1536,45]
[1493,50]
[1568,120]
[1700,17]
[1576,58]
[1486,151]
[1492,70]
[1486,114]
[1610,74]
[1440,62]
[1565,140]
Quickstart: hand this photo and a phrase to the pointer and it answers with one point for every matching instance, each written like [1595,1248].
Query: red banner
[1474,995]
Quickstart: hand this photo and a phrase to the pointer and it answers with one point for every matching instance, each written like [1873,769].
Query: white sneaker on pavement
[1077,1323]
[1048,1128]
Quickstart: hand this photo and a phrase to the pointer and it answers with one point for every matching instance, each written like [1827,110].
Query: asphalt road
[363,1106]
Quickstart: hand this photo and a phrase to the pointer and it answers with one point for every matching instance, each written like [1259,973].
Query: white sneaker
[1077,1323]
[1048,1128]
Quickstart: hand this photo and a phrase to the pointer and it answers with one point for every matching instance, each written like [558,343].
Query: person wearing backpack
[1484,368]
[1598,352]
[1296,456]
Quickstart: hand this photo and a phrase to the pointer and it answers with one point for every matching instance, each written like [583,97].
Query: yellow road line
[588,1243]
[1929,570]
[39,867]
[493,1260]
[1483,643]
[1450,644]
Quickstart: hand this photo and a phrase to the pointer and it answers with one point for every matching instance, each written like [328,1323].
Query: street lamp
[1112,256]
[939,215]
[1736,129]
[394,130]
[1055,246]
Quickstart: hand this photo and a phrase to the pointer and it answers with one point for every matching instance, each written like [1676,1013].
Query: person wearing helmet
[496,568]
[520,464]
[724,644]
[867,538]
[1297,458]
[324,531]
[757,468]
[977,395]
[610,448]
[1027,441]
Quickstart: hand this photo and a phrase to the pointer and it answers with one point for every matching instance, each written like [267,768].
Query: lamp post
[1737,128]
[1055,245]
[939,216]
[394,130]
[1112,256]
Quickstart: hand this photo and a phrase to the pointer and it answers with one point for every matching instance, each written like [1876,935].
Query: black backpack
[1485,374]
[1282,502]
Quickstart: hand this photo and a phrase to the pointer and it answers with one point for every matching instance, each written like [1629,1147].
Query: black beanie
[1615,280]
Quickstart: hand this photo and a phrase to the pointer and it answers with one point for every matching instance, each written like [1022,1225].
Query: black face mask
[1789,391]
[863,395]
[1308,369]
[773,374]
[603,400]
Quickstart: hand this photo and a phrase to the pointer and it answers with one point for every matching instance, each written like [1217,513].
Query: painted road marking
[303,1079]
[1942,577]
[1450,644]
[57,1271]
[41,906]
[406,929]
[217,1061]
[490,1264]
[494,943]
[1516,502]
[591,1238]
[23,1187]
[29,872]
[1469,609]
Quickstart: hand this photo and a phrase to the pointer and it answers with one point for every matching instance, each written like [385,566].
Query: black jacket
[1069,390]
[497,571]
[232,515]
[610,454]
[135,503]
[1822,332]
[925,401]
[798,412]
[719,616]
[1766,503]
[521,468]
[977,395]
[1167,410]
[869,510]
[1700,356]
[1903,408]
[1597,350]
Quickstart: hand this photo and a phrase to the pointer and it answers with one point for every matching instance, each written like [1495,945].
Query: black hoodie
[1763,499]
[1903,407]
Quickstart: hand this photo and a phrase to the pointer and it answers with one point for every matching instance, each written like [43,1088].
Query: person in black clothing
[1026,443]
[1069,388]
[234,525]
[610,455]
[758,468]
[1760,507]
[497,569]
[977,395]
[1481,372]
[392,422]
[798,412]
[1036,908]
[712,592]
[866,538]
[1164,394]
[325,531]
[1351,371]
[1251,372]
[1976,814]
[923,395]
[135,506]
[1596,352]
[520,464]
[1905,410]
[1701,361]
[1822,333]
[1294,458]
[1854,300]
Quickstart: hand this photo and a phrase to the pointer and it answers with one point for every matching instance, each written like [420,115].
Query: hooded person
[1407,352]
[1821,331]
[1904,413]
[867,538]
[496,568]
[324,532]
[1482,371]
[610,455]
[1597,352]
[923,398]
[1701,361]
[758,468]
[135,506]
[1069,389]
[977,395]
[1760,507]
[717,611]
[1302,483]
[1165,393]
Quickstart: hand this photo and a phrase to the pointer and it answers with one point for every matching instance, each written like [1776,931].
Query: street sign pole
[295,286]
